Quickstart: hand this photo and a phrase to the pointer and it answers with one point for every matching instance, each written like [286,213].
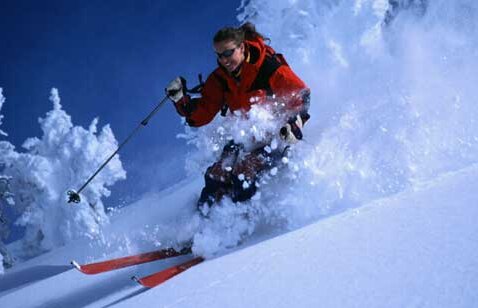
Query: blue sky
[110,59]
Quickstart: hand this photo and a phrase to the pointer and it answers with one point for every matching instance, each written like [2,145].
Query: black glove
[292,131]
[176,89]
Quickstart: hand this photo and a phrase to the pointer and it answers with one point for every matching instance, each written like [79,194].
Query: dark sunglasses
[226,53]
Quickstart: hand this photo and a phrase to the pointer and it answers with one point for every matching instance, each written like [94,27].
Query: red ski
[109,265]
[158,278]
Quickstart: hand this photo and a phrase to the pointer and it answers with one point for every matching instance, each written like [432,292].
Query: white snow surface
[418,248]
[375,208]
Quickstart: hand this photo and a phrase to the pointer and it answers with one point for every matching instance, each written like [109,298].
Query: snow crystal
[220,130]
[274,171]
[274,144]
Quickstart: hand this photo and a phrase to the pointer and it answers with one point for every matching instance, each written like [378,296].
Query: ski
[158,278]
[113,264]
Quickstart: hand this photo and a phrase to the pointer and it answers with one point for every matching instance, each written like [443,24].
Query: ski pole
[74,196]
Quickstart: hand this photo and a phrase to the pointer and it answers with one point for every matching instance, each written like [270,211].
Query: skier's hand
[292,131]
[176,90]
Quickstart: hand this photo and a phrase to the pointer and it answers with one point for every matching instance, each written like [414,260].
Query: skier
[249,72]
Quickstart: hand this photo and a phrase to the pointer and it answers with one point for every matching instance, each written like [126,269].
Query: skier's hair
[245,32]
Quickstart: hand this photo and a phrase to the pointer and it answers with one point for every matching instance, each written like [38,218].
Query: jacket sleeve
[290,89]
[200,111]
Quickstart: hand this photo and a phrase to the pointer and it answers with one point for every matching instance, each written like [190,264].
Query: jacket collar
[255,53]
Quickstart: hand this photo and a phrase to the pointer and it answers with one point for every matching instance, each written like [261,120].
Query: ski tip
[138,281]
[75,265]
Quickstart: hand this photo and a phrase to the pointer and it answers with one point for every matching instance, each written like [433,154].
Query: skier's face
[229,54]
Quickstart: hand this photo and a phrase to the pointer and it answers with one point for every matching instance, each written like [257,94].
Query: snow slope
[418,248]
[390,219]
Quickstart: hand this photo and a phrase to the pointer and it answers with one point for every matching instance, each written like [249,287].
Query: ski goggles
[226,53]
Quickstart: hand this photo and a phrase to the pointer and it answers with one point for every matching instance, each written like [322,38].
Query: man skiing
[249,72]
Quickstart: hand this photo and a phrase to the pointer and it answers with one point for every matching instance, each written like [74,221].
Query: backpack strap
[225,87]
[197,89]
[271,63]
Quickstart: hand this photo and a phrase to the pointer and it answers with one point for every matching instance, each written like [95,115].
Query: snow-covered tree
[6,155]
[62,159]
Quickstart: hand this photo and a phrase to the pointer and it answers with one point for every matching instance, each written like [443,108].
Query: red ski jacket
[264,74]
